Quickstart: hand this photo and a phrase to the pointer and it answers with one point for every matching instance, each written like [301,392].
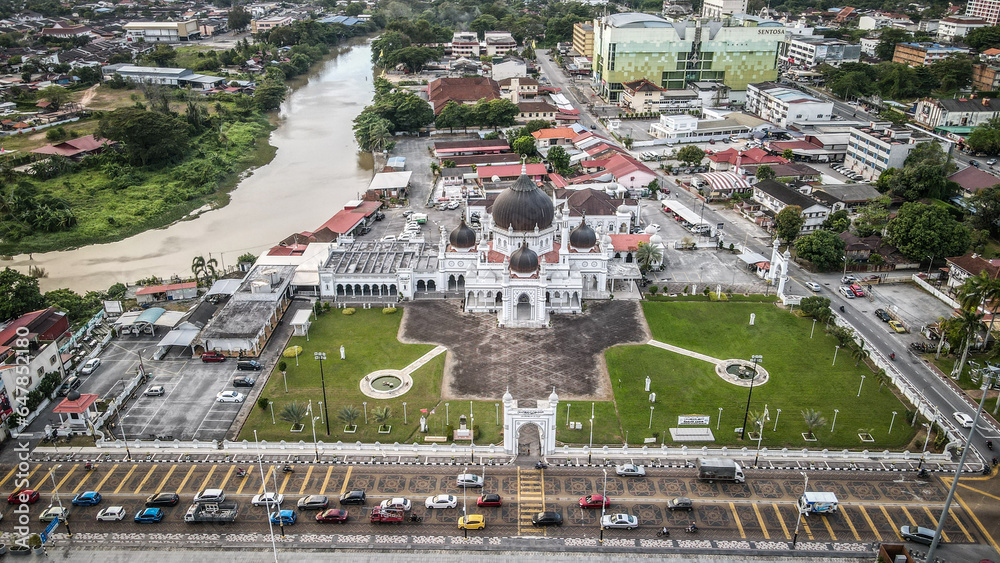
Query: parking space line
[82,482]
[968,536]
[125,480]
[851,524]
[284,482]
[910,516]
[66,478]
[144,479]
[760,520]
[267,479]
[784,528]
[106,477]
[225,480]
[829,528]
[975,519]
[246,479]
[808,530]
[306,482]
[204,483]
[347,479]
[736,518]
[186,477]
[944,536]
[892,525]
[8,476]
[871,524]
[32,473]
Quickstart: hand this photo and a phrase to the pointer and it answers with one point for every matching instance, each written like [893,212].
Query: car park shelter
[138,322]
[183,335]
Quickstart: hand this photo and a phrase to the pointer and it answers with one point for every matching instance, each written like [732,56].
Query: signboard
[720,226]
[693,420]
[48,529]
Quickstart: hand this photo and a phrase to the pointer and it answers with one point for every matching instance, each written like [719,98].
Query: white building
[161,32]
[783,106]
[720,8]
[961,112]
[689,129]
[777,196]
[874,149]
[499,43]
[956,27]
[988,10]
[868,45]
[809,51]
[465,44]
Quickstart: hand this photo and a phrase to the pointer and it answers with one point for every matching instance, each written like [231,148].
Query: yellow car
[472,522]
[897,326]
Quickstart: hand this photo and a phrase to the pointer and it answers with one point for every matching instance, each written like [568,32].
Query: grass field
[801,370]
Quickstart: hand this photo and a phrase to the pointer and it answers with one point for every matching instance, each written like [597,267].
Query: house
[448,149]
[257,26]
[794,171]
[77,148]
[961,268]
[467,90]
[875,252]
[561,136]
[169,292]
[161,32]
[465,44]
[736,159]
[957,112]
[776,196]
[528,111]
[627,171]
[457,176]
[845,196]
[390,185]
[972,179]
[29,349]
[641,95]
[957,27]
[874,149]
[515,88]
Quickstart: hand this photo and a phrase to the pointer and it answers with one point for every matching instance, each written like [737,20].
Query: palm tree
[381,415]
[348,415]
[647,255]
[859,353]
[814,419]
[966,324]
[294,413]
[943,329]
[197,267]
[979,290]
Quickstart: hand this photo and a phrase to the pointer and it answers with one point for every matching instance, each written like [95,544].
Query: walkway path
[685,352]
[419,362]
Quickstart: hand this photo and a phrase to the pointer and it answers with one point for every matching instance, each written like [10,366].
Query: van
[419,217]
[72,382]
[210,495]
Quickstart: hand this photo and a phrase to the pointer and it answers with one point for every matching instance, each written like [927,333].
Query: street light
[862,385]
[320,356]
[52,474]
[835,350]
[271,404]
[321,409]
[590,450]
[497,406]
[604,495]
[650,418]
[465,512]
[813,329]
[263,486]
[776,417]
[795,538]
[447,417]
[404,412]
[718,421]
[365,404]
[567,413]
[756,359]
[313,420]
[834,425]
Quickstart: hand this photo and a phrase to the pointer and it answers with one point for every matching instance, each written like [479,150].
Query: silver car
[626,521]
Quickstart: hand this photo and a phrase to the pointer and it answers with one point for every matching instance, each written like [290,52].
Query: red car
[594,501]
[24,496]
[489,499]
[213,357]
[337,515]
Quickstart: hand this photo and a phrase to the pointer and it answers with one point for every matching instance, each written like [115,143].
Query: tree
[55,95]
[690,154]
[354,9]
[482,24]
[348,414]
[524,145]
[859,353]
[823,248]
[924,174]
[921,230]
[814,306]
[162,55]
[372,132]
[381,415]
[962,329]
[838,221]
[269,94]
[986,208]
[814,419]
[452,115]
[239,18]
[788,222]
[788,154]
[986,137]
[293,413]
[204,268]
[872,217]
[149,138]
[954,72]
[648,254]
[894,116]
[764,172]
[887,42]
[559,159]
[983,38]
[76,307]
[18,294]
[981,290]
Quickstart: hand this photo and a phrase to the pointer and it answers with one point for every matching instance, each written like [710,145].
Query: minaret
[564,249]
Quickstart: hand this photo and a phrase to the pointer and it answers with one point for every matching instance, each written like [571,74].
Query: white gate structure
[543,416]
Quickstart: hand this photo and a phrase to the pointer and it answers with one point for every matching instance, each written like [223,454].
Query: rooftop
[376,257]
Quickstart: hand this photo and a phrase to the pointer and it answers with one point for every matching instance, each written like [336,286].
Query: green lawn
[802,377]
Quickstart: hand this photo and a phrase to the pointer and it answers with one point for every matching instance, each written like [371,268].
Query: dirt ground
[484,360]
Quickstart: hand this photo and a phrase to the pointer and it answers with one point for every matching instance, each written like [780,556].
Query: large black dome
[463,237]
[523,206]
[583,236]
[524,260]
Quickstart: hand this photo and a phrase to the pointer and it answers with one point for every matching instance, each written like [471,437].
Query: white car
[111,514]
[469,480]
[813,286]
[91,366]
[398,502]
[441,501]
[267,499]
[964,420]
[230,397]
[626,521]
[53,512]
[154,391]
[630,470]
[389,238]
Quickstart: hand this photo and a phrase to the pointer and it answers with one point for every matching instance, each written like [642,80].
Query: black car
[547,519]
[880,313]
[249,365]
[163,499]
[353,497]
[680,503]
[314,502]
[243,381]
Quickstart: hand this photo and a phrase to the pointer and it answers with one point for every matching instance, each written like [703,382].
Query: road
[873,505]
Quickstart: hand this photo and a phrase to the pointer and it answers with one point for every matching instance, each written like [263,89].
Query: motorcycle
[692,529]
[88,466]
[415,518]
[663,533]
[841,308]
[288,469]
[989,444]
[892,356]
[241,472]
[541,465]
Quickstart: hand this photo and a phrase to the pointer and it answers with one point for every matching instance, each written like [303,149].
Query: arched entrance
[529,440]
[523,312]
[534,427]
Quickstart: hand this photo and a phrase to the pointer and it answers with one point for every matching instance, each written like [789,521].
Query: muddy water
[315,171]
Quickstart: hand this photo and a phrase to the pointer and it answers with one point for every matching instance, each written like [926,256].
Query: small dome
[523,206]
[651,229]
[524,260]
[73,395]
[655,240]
[507,397]
[553,398]
[463,237]
[583,236]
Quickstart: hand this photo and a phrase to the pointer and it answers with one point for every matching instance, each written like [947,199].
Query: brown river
[316,170]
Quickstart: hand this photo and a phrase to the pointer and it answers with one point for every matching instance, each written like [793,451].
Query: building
[499,43]
[988,10]
[583,39]
[972,179]
[957,27]
[514,89]
[960,112]
[878,147]
[784,106]
[721,8]
[632,46]
[961,268]
[690,129]
[260,25]
[510,68]
[845,196]
[985,78]
[642,95]
[528,111]
[168,76]
[924,54]
[450,149]
[880,20]
[245,323]
[465,90]
[679,101]
[169,292]
[868,46]
[465,44]
[29,349]
[776,196]
[77,148]
[161,32]
[810,51]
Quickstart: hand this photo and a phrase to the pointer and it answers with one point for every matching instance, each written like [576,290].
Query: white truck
[720,469]
[818,503]
[212,512]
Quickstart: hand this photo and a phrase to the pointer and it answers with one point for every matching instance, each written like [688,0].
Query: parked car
[53,512]
[338,515]
[470,480]
[111,514]
[626,521]
[964,420]
[857,291]
[848,279]
[897,326]
[680,503]
[917,534]
[23,496]
[244,381]
[441,501]
[547,519]
[472,522]
[163,499]
[230,397]
[267,499]
[284,517]
[89,498]
[154,391]
[72,382]
[630,470]
[353,497]
[489,499]
[594,501]
[149,515]
[211,357]
[249,365]
[400,503]
[846,291]
[314,502]
[883,315]
[91,366]
[991,161]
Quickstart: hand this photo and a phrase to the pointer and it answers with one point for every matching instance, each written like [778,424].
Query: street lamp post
[760,437]
[141,367]
[567,413]
[813,329]
[650,418]
[862,385]
[320,356]
[835,350]
[321,409]
[313,420]
[604,495]
[465,512]
[776,417]
[263,485]
[756,359]
[365,405]
[795,538]
[497,407]
[718,421]
[834,425]
[271,404]
[590,450]
[404,412]
[52,474]
[893,421]
[447,416]
[128,454]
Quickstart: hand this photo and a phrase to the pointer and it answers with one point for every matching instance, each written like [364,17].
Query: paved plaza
[483,359]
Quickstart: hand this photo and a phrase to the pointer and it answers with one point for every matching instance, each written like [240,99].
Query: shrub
[653,289]
[388,310]
[262,402]
[348,311]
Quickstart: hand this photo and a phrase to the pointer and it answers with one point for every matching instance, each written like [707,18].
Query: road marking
[9,475]
[204,483]
[736,518]
[784,528]
[347,478]
[66,478]
[760,520]
[106,477]
[306,482]
[975,519]
[125,480]
[186,477]
[267,477]
[851,524]
[144,479]
[829,528]
[910,517]
[944,536]
[246,479]
[805,526]
[225,480]
[82,481]
[326,480]
[870,523]
[164,481]
[895,528]
[975,490]
[968,536]
[284,482]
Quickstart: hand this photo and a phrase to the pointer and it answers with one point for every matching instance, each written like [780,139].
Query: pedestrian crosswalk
[531,497]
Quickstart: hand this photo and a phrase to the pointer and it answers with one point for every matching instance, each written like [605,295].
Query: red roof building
[535,171]
[347,220]
[466,90]
[628,243]
[75,148]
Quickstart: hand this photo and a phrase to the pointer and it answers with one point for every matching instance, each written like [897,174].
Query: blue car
[89,498]
[149,515]
[286,517]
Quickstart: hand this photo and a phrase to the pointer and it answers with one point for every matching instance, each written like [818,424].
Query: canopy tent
[183,335]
